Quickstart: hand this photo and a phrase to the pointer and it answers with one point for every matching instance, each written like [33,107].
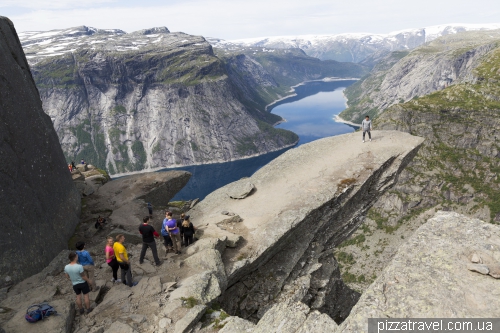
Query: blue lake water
[309,114]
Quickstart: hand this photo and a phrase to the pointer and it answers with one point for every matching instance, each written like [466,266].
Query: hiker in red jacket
[148,240]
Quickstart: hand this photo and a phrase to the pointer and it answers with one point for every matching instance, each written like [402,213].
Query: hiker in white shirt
[366,126]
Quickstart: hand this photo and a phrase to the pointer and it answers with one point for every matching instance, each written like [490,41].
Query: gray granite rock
[237,325]
[218,244]
[480,268]
[240,190]
[119,327]
[209,260]
[186,323]
[37,194]
[429,276]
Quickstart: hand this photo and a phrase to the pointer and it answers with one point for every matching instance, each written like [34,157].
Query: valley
[153,99]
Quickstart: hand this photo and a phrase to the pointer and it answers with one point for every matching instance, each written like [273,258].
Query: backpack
[38,312]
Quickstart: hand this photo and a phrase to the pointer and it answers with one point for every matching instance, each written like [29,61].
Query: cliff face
[456,168]
[435,274]
[404,75]
[152,99]
[39,205]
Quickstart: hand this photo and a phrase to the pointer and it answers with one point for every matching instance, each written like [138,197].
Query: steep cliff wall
[456,169]
[153,98]
[404,75]
[39,205]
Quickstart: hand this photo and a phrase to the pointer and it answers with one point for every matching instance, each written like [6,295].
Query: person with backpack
[150,209]
[148,240]
[187,230]
[174,233]
[167,241]
[366,126]
[87,262]
[80,281]
[122,258]
[111,259]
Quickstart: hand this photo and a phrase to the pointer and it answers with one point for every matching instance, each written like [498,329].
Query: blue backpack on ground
[38,312]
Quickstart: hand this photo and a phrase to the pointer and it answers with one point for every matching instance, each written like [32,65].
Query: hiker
[111,259]
[82,161]
[122,258]
[86,261]
[148,240]
[174,233]
[187,230]
[366,126]
[75,273]
[99,224]
[167,241]
[73,166]
[70,168]
[179,225]
[150,209]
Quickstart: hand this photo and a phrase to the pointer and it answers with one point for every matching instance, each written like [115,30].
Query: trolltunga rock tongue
[305,202]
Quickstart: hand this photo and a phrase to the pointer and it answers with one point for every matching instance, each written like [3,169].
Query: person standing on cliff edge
[366,126]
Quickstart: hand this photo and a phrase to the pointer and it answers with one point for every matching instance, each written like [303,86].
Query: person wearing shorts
[75,273]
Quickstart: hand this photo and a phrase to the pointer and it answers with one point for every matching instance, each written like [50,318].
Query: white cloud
[231,19]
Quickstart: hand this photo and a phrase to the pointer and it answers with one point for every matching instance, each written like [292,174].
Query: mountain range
[154,98]
[353,47]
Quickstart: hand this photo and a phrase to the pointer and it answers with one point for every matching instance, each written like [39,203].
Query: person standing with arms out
[87,262]
[111,259]
[150,209]
[148,240]
[122,258]
[75,273]
[174,233]
[187,230]
[366,126]
[166,237]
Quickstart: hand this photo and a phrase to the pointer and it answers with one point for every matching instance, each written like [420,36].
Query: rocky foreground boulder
[39,204]
[447,269]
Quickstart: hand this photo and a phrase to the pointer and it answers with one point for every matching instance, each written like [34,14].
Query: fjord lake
[310,114]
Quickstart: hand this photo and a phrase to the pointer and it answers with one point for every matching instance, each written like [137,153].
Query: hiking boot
[88,311]
[178,252]
[370,140]
[159,264]
[135,284]
[82,311]
[363,141]
[118,281]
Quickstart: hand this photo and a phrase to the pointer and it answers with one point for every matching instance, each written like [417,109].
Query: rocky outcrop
[296,215]
[456,168]
[405,75]
[39,205]
[429,275]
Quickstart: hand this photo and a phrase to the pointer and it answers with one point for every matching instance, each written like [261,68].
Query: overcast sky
[231,19]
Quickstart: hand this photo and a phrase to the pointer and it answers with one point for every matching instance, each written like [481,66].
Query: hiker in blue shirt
[75,273]
[86,261]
